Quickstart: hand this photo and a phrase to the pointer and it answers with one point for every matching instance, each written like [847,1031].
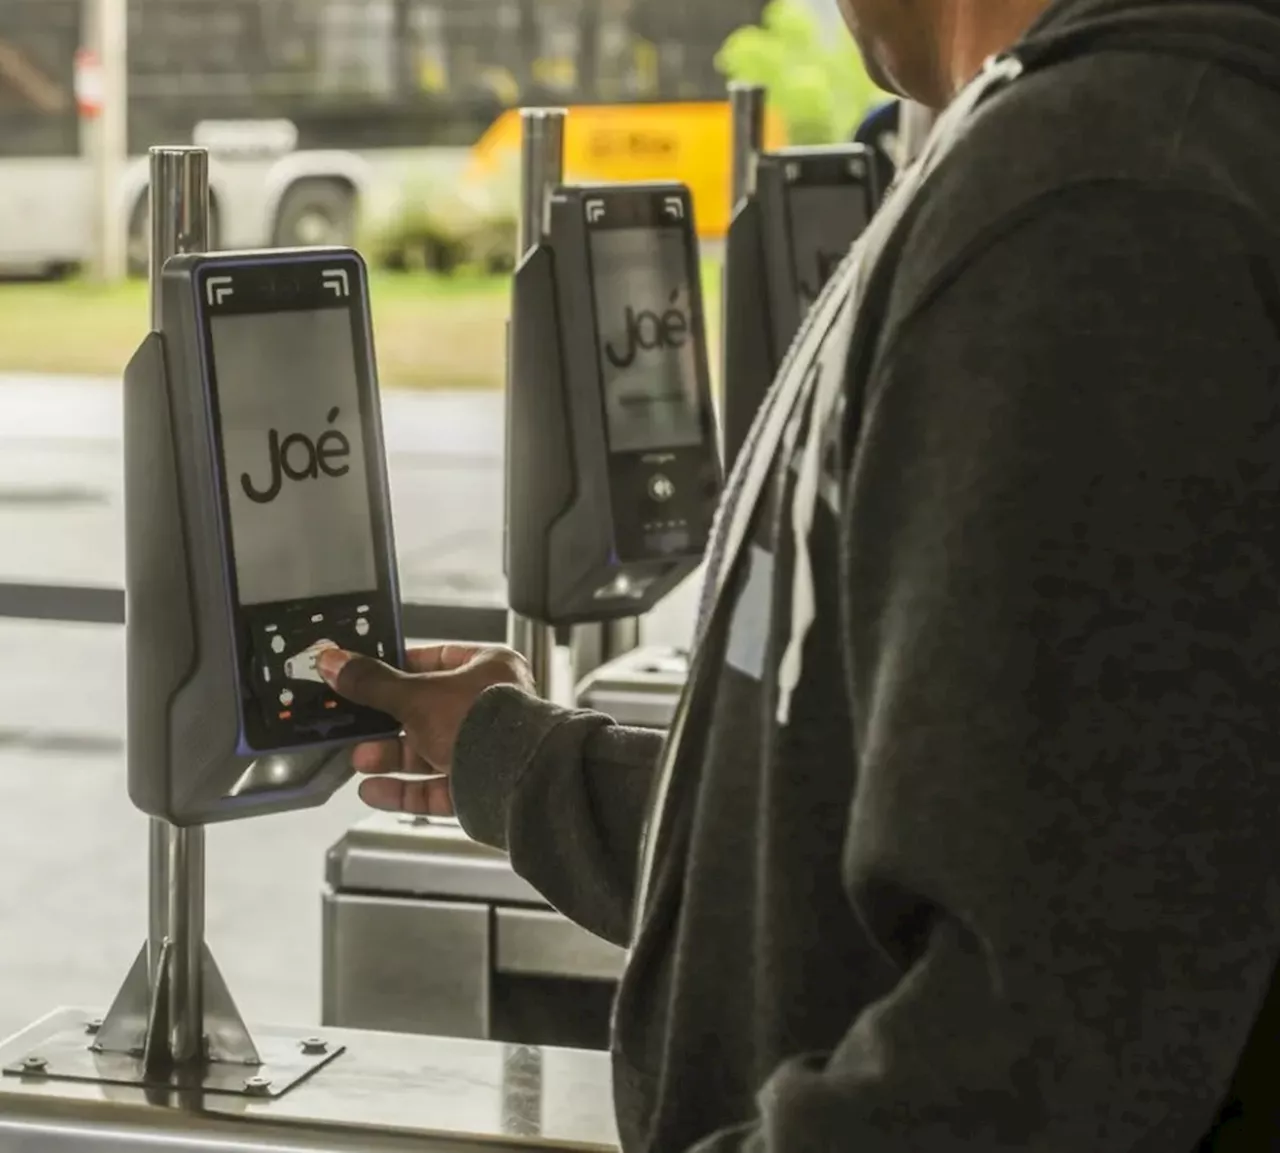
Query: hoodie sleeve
[565,793]
[1062,542]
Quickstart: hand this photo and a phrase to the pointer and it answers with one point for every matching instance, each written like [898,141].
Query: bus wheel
[316,212]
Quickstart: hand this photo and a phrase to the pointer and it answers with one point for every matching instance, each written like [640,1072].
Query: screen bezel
[312,297]
[646,214]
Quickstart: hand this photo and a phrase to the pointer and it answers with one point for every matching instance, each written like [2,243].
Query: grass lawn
[431,331]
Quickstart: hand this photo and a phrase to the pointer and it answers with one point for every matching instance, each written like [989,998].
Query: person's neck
[974,30]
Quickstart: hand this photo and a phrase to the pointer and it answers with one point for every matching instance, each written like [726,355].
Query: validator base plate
[69,1055]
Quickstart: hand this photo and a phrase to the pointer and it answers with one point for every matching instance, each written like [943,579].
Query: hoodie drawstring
[826,391]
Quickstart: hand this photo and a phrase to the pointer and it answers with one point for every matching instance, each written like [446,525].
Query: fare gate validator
[613,464]
[259,533]
[796,214]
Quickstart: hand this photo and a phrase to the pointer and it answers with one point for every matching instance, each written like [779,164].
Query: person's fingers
[442,658]
[430,797]
[365,681]
[378,757]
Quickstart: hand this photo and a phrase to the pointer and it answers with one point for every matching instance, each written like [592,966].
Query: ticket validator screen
[293,454]
[646,334]
[825,220]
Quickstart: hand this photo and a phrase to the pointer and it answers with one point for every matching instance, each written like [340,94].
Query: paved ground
[72,849]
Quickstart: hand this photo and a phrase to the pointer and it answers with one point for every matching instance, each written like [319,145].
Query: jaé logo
[298,458]
[646,330]
[826,264]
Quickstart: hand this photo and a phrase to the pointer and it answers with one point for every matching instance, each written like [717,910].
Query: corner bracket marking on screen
[217,289]
[335,280]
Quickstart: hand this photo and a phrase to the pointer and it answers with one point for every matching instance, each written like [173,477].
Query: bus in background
[321,113]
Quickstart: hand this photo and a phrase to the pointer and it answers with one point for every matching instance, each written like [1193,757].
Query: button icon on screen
[661,488]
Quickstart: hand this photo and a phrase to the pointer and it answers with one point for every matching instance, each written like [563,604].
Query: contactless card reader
[613,468]
[258,530]
[788,235]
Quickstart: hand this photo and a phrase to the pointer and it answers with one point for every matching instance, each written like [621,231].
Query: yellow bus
[687,141]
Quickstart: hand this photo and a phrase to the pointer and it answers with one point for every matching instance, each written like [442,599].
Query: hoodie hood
[1242,35]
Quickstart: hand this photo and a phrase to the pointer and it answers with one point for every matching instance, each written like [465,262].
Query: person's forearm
[565,793]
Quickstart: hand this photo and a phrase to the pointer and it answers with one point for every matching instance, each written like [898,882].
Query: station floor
[73,851]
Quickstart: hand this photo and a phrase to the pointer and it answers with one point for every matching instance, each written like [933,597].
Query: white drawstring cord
[805,497]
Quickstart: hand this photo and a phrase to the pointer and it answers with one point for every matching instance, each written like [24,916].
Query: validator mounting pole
[176,873]
[594,645]
[541,170]
[746,342]
[746,115]
[160,1012]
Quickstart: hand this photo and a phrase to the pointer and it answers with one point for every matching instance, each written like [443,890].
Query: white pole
[110,42]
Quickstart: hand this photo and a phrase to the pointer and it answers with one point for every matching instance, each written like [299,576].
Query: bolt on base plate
[287,1057]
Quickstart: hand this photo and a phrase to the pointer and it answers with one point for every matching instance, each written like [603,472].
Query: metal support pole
[109,25]
[176,874]
[596,645]
[746,114]
[746,143]
[541,170]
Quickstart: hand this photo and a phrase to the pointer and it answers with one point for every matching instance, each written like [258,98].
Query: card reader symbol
[302,666]
[595,211]
[673,206]
[335,280]
[217,289]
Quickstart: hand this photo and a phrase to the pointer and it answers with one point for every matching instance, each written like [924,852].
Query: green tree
[815,80]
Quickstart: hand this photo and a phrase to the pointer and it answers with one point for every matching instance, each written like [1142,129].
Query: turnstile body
[425,931]
[641,688]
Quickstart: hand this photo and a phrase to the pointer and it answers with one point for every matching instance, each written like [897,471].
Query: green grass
[431,331]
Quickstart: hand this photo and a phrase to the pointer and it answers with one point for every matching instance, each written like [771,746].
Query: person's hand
[431,701]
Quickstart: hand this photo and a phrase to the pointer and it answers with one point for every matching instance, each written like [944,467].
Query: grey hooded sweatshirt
[967,835]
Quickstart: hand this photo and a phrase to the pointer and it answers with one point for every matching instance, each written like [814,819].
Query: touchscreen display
[825,221]
[647,340]
[293,455]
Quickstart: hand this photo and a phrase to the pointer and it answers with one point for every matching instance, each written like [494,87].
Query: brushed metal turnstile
[425,931]
[641,688]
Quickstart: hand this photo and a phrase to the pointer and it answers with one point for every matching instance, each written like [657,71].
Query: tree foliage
[814,77]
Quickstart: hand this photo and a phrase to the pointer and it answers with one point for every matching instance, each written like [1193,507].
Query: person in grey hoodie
[966,835]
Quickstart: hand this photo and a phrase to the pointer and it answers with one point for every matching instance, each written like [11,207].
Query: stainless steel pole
[746,114]
[746,142]
[596,645]
[176,877]
[541,170]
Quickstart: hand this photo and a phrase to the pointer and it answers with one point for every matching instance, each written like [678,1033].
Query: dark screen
[825,221]
[646,334]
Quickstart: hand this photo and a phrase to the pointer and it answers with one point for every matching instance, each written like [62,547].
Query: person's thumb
[365,681]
